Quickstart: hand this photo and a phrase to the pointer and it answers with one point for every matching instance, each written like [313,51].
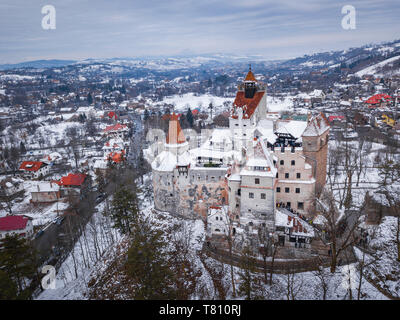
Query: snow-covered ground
[382,266]
[90,253]
[307,285]
[182,102]
[279,104]
[375,69]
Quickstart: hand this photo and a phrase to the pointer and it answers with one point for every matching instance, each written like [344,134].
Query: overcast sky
[131,28]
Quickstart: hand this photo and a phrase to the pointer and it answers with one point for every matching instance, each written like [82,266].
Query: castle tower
[250,87]
[315,148]
[249,107]
[176,142]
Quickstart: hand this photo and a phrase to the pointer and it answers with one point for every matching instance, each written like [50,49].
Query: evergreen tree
[146,114]
[189,117]
[8,289]
[22,148]
[124,209]
[89,98]
[148,264]
[18,261]
[101,184]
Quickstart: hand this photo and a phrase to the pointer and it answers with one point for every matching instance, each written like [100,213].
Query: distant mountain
[353,59]
[37,64]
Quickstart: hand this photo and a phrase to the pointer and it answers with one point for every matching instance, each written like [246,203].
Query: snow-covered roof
[293,127]
[43,186]
[167,161]
[317,126]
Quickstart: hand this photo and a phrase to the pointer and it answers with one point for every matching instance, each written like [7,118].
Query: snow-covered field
[182,102]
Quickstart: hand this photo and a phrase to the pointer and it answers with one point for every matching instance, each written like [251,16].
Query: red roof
[10,223]
[249,104]
[378,98]
[116,156]
[112,114]
[115,127]
[175,133]
[250,77]
[30,165]
[72,179]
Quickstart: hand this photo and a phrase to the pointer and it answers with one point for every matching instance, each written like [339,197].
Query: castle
[245,172]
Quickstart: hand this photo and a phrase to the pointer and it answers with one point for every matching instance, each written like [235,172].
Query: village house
[11,187]
[16,225]
[44,191]
[34,169]
[74,185]
[116,131]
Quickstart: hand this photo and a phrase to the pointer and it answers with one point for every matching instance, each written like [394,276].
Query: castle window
[263,196]
[300,205]
[251,195]
[277,175]
[257,181]
[297,190]
[293,162]
[287,190]
[278,189]
[298,175]
[286,175]
[282,162]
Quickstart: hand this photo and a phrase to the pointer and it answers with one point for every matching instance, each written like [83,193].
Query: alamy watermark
[49,20]
[349,20]
[49,280]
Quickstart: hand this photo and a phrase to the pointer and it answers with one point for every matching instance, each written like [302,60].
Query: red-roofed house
[74,184]
[379,100]
[116,130]
[116,157]
[34,169]
[16,225]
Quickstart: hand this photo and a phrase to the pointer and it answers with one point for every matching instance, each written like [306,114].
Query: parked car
[39,234]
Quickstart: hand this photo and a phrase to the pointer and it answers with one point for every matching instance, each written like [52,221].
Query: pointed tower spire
[175,133]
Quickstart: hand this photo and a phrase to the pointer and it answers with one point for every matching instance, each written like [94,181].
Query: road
[51,241]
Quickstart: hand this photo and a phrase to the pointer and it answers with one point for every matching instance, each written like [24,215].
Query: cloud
[103,28]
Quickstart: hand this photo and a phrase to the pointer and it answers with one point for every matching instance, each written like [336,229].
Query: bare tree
[337,231]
